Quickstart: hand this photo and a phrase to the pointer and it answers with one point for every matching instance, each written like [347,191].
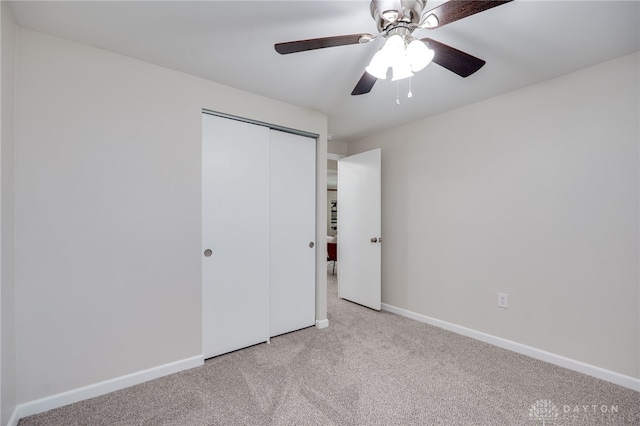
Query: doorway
[332,215]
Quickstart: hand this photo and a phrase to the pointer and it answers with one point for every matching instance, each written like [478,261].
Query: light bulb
[419,55]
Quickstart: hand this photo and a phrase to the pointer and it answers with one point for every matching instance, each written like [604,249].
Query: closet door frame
[208,343]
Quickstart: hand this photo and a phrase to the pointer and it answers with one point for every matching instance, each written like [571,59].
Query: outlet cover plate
[503,300]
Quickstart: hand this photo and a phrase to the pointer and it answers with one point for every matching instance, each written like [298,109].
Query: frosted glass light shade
[394,49]
[419,55]
[404,61]
[402,69]
[379,65]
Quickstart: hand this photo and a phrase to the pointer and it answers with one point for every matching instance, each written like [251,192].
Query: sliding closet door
[293,245]
[235,229]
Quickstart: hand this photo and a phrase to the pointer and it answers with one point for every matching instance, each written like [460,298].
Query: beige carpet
[367,368]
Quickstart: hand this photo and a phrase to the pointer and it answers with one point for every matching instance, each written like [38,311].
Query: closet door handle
[374,240]
[311,244]
[208,253]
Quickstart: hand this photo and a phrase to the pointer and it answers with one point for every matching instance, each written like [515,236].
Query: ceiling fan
[403,53]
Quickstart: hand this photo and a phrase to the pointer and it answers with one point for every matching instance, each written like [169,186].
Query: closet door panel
[235,227]
[293,210]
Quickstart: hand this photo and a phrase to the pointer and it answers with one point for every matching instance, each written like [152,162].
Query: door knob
[374,240]
[311,244]
[208,252]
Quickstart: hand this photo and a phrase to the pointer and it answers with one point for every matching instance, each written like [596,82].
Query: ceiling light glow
[379,65]
[401,68]
[403,59]
[419,55]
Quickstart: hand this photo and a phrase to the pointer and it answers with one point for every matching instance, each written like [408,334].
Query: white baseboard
[13,421]
[571,364]
[101,388]
[322,323]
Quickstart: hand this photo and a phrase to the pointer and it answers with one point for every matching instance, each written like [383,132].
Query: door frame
[321,320]
[264,124]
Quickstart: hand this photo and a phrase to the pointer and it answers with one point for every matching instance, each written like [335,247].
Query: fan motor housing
[412,11]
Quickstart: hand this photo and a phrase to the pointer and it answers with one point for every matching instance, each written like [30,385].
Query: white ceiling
[231,42]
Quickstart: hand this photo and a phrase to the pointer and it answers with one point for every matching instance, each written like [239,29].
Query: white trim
[336,157]
[320,324]
[571,364]
[101,388]
[13,421]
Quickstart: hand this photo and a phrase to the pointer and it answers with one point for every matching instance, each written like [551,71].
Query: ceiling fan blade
[318,43]
[454,10]
[453,59]
[365,84]
[384,7]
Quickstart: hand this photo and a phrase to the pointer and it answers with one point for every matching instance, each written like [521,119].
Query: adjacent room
[320,212]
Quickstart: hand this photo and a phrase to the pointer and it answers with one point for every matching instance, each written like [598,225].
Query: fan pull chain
[398,93]
[409,95]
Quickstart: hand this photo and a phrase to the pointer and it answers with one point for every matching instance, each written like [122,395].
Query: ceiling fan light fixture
[419,55]
[395,52]
[379,65]
[401,69]
[391,52]
[394,47]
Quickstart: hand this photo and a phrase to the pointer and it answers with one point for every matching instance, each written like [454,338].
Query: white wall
[7,147]
[337,147]
[108,155]
[534,193]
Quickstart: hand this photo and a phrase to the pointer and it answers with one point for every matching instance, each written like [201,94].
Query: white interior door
[359,228]
[235,228]
[293,223]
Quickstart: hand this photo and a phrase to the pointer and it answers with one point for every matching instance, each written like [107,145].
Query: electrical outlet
[503,300]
